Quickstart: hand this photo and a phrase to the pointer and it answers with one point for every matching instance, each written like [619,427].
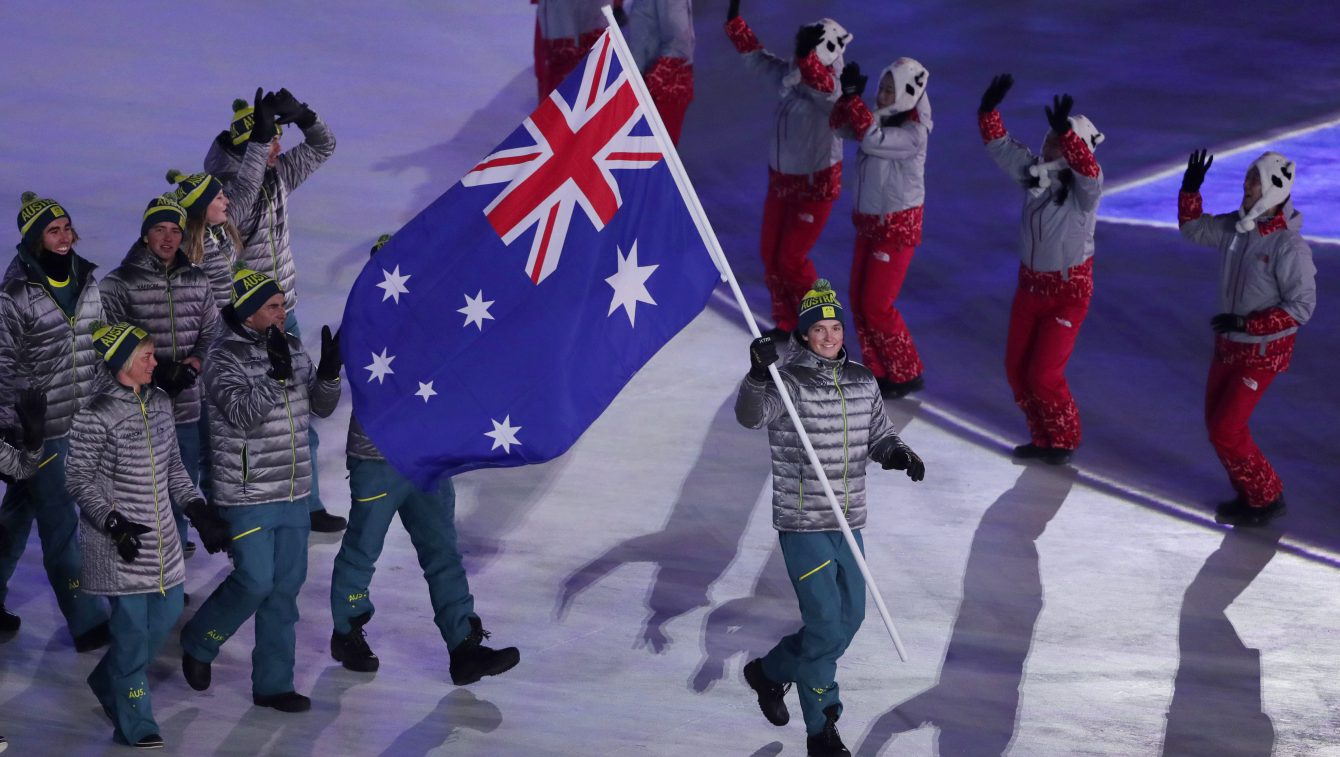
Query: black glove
[31,410]
[762,353]
[209,523]
[1196,167]
[329,366]
[290,111]
[126,534]
[263,118]
[1226,322]
[1059,114]
[995,93]
[281,360]
[895,119]
[808,38]
[733,11]
[903,458]
[174,377]
[853,81]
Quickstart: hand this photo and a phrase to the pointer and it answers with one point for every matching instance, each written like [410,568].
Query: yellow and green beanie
[251,289]
[244,117]
[35,214]
[818,304]
[163,208]
[117,342]
[194,192]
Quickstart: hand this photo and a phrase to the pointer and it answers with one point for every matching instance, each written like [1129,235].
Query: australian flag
[496,326]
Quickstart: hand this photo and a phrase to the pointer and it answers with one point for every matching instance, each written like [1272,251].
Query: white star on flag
[503,434]
[394,284]
[476,310]
[380,367]
[630,284]
[425,391]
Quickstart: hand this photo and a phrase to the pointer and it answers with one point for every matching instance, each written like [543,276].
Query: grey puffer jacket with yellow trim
[18,463]
[257,425]
[124,458]
[176,306]
[42,347]
[841,408]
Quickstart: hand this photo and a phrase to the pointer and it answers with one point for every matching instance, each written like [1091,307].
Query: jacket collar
[28,267]
[139,256]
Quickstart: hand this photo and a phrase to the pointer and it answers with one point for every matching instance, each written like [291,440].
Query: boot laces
[357,641]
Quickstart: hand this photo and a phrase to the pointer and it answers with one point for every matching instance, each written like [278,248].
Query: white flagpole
[719,258]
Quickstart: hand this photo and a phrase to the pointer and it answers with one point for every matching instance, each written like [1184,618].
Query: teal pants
[831,592]
[314,503]
[188,440]
[269,553]
[378,493]
[43,498]
[139,625]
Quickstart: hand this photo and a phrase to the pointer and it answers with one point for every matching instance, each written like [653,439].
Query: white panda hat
[909,82]
[1276,173]
[1086,131]
[833,43]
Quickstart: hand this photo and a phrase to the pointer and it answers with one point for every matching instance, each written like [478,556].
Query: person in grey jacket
[49,302]
[660,35]
[890,194]
[1267,290]
[124,469]
[805,157]
[265,223]
[1061,193]
[157,286]
[261,390]
[840,405]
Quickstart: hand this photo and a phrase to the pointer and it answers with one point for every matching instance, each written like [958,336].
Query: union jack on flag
[462,352]
[574,144]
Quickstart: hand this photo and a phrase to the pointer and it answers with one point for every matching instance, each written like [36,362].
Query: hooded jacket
[124,458]
[176,306]
[244,187]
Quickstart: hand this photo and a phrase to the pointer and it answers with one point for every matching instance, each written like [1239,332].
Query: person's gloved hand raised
[281,360]
[762,353]
[263,118]
[995,93]
[1196,167]
[852,80]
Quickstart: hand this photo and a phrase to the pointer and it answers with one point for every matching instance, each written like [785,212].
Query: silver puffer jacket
[843,413]
[124,458]
[18,463]
[175,306]
[43,348]
[359,444]
[243,188]
[264,225]
[257,425]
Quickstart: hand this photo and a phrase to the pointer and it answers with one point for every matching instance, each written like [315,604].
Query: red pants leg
[884,270]
[1231,394]
[542,87]
[869,354]
[672,114]
[790,230]
[1042,337]
[769,249]
[1018,347]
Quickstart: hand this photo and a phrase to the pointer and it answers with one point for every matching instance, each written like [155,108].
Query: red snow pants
[790,230]
[1231,394]
[1042,335]
[877,273]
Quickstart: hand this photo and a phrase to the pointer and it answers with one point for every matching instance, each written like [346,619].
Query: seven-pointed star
[380,366]
[503,434]
[476,310]
[394,284]
[425,391]
[630,284]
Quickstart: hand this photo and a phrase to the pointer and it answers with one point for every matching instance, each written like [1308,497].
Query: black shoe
[352,648]
[1239,513]
[827,743]
[1057,456]
[197,673]
[771,695]
[94,638]
[899,389]
[289,701]
[325,523]
[9,622]
[471,660]
[1030,451]
[152,741]
[188,550]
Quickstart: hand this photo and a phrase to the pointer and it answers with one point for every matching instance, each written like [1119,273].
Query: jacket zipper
[842,396]
[293,445]
[153,480]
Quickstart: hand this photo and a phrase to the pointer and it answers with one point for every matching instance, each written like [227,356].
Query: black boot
[827,743]
[94,638]
[325,523]
[197,673]
[289,701]
[1030,451]
[1239,513]
[352,648]
[471,660]
[9,622]
[1057,456]
[899,389]
[771,695]
[152,741]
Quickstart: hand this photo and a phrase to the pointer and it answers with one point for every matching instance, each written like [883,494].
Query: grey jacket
[1258,271]
[175,306]
[359,444]
[243,188]
[843,413]
[257,425]
[43,348]
[1052,237]
[660,29]
[802,142]
[891,164]
[264,225]
[18,463]
[568,19]
[124,458]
